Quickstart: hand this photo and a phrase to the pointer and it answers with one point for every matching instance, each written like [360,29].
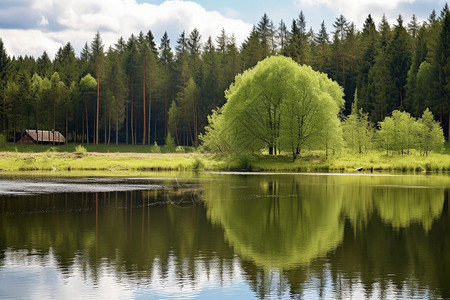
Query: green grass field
[128,158]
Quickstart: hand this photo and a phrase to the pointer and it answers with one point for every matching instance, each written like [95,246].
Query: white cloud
[43,21]
[76,21]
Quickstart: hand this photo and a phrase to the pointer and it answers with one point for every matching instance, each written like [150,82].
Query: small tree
[398,132]
[405,128]
[386,134]
[357,129]
[170,143]
[431,136]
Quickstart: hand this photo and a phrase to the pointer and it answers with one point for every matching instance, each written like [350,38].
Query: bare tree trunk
[54,124]
[117,126]
[135,132]
[82,131]
[195,124]
[98,103]
[109,127]
[165,114]
[87,126]
[143,107]
[105,129]
[126,125]
[149,105]
[67,125]
[132,121]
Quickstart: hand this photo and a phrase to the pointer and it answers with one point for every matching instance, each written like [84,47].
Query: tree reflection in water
[286,235]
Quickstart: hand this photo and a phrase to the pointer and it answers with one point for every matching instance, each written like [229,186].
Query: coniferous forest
[139,90]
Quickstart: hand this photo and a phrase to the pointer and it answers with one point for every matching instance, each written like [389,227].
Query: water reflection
[260,236]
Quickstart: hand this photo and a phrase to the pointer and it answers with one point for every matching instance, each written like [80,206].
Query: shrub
[80,151]
[244,162]
[2,140]
[180,149]
[155,148]
[197,164]
[170,143]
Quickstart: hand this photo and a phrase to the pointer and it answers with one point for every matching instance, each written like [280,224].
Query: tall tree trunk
[132,120]
[105,128]
[144,133]
[149,105]
[195,124]
[117,126]
[67,124]
[37,126]
[98,103]
[54,123]
[165,114]
[135,132]
[87,125]
[82,131]
[126,125]
[109,127]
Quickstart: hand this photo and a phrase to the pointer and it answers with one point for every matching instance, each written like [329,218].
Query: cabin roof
[46,136]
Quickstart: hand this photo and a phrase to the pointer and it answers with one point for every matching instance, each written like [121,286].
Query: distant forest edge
[136,92]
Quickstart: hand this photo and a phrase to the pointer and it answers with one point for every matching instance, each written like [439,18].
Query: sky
[30,27]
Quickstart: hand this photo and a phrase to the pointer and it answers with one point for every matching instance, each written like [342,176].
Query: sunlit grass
[127,158]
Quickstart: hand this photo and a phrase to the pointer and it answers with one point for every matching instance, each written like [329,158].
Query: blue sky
[29,27]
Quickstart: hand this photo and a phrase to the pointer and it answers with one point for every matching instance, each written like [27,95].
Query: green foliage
[197,164]
[180,149]
[244,162]
[278,105]
[144,93]
[80,150]
[170,143]
[358,131]
[2,140]
[431,136]
[215,139]
[155,148]
[401,133]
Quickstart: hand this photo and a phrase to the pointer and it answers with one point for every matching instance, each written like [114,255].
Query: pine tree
[283,37]
[399,61]
[441,62]
[97,57]
[5,62]
[265,32]
[322,49]
[369,40]
[252,51]
[413,103]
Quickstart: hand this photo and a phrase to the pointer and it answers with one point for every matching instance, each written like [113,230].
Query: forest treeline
[137,92]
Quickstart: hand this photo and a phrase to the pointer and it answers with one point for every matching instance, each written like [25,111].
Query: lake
[226,235]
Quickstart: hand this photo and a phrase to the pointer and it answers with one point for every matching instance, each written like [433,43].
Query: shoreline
[132,162]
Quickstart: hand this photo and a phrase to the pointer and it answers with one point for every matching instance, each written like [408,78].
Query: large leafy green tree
[279,105]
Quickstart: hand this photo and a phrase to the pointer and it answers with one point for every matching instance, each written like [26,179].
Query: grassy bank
[125,159]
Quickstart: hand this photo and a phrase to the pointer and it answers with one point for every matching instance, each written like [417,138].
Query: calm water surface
[226,236]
